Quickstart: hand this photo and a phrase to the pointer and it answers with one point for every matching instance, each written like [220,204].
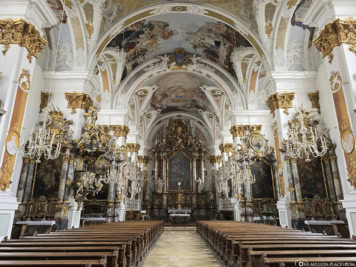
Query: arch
[126,90]
[188,8]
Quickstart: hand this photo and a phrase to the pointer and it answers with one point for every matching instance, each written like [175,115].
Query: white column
[14,96]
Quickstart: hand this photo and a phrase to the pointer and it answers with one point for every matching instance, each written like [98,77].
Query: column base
[74,216]
[285,214]
[349,204]
[122,213]
[8,206]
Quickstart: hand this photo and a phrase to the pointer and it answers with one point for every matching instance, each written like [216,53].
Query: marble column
[336,177]
[63,178]
[156,172]
[110,206]
[194,174]
[23,179]
[68,195]
[29,180]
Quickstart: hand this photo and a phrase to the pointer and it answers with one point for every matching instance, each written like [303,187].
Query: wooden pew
[84,263]
[288,262]
[120,244]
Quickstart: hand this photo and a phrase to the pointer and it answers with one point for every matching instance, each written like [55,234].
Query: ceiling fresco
[180,92]
[162,34]
[242,9]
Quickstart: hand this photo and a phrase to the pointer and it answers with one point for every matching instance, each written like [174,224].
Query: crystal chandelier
[42,142]
[303,139]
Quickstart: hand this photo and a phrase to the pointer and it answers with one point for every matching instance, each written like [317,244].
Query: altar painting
[311,178]
[179,171]
[263,187]
[47,178]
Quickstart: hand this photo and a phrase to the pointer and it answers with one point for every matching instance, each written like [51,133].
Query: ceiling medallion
[179,59]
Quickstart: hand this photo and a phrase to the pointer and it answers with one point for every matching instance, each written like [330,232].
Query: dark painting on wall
[179,171]
[263,187]
[311,178]
[47,178]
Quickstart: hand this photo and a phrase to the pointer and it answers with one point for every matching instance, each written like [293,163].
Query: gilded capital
[215,159]
[239,130]
[143,159]
[120,130]
[78,100]
[44,100]
[280,100]
[335,34]
[22,33]
[314,98]
[131,147]
[227,148]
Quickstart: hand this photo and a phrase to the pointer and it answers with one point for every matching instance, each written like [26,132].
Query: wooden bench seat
[256,258]
[84,263]
[293,261]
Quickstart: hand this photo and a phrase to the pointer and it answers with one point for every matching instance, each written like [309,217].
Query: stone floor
[181,249]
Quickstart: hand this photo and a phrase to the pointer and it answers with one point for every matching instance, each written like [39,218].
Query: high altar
[179,172]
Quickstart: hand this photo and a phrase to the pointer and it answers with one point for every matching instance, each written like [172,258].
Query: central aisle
[181,249]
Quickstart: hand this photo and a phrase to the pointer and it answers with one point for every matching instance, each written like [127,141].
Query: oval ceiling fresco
[180,92]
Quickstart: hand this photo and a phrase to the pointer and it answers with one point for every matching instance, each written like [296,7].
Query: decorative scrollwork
[25,80]
[335,82]
[78,100]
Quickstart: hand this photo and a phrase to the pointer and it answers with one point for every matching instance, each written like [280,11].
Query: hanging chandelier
[303,138]
[42,142]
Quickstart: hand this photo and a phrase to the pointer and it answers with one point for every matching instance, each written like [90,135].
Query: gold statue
[180,196]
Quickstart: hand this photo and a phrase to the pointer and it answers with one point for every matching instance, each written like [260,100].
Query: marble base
[8,206]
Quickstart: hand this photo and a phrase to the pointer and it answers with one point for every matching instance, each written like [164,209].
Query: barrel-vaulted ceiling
[239,40]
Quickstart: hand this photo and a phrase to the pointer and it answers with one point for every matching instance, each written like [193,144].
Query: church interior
[177,133]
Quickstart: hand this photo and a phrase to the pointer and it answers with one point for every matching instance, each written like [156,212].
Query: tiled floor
[181,249]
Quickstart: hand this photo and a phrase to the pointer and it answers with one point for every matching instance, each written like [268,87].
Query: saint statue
[160,185]
[200,185]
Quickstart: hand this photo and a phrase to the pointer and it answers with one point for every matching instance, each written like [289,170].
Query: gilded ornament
[227,148]
[78,100]
[133,148]
[352,172]
[291,189]
[314,98]
[275,129]
[335,82]
[239,130]
[291,3]
[280,100]
[269,28]
[22,33]
[6,174]
[68,3]
[120,130]
[90,28]
[25,80]
[44,100]
[335,34]
[215,159]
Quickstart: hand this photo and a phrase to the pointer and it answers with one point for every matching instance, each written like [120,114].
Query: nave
[181,248]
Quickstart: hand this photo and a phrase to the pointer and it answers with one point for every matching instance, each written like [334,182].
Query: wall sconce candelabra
[303,138]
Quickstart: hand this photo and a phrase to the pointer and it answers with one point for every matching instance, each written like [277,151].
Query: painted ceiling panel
[162,34]
[180,92]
